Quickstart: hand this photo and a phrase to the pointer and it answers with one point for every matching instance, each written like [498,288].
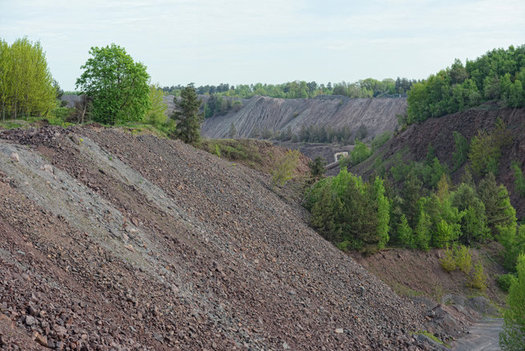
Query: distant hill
[260,114]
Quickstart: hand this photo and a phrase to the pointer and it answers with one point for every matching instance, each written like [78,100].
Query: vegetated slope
[260,114]
[109,241]
[413,143]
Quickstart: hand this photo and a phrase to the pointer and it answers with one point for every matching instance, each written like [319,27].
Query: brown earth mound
[110,241]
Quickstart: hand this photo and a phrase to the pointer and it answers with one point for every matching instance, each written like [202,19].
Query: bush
[448,262]
[457,257]
[283,171]
[360,153]
[478,279]
[505,281]
[463,258]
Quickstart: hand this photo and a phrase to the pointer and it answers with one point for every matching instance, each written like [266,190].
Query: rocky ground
[110,241]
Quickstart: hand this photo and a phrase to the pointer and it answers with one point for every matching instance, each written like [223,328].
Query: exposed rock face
[263,113]
[134,242]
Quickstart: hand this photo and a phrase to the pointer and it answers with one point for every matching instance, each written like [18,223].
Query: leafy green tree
[513,336]
[422,232]
[156,114]
[187,116]
[117,85]
[405,234]
[26,85]
[474,222]
[383,213]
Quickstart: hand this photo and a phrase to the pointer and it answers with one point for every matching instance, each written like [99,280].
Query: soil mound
[114,241]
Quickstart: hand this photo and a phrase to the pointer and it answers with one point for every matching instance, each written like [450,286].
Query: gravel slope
[113,241]
[264,113]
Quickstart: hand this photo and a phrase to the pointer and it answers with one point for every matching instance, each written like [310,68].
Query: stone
[30,320]
[15,157]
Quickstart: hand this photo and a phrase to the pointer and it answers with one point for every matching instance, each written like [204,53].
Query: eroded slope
[110,240]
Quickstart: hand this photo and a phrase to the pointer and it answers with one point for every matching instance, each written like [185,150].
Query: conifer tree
[187,116]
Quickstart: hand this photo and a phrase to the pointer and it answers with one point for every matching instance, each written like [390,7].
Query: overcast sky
[269,41]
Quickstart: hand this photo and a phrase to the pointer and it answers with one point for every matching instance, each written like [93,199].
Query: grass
[433,337]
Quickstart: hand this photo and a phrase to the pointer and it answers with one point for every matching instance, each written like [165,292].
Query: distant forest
[365,88]
[497,76]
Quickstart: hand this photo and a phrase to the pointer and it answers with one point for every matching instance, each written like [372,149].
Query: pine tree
[187,116]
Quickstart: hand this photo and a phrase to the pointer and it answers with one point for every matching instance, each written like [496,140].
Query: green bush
[448,262]
[478,278]
[285,167]
[505,281]
[360,153]
[457,257]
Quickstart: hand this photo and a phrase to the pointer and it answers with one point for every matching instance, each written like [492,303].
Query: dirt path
[483,336]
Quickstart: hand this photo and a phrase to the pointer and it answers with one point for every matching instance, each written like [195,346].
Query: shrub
[380,140]
[505,281]
[478,279]
[283,171]
[360,153]
[463,258]
[457,257]
[448,262]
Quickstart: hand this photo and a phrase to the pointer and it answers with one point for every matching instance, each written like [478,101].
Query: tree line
[497,76]
[366,88]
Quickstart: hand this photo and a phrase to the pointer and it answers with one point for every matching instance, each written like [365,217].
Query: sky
[270,41]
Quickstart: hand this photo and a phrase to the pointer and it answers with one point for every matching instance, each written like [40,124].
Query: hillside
[260,114]
[413,143]
[115,241]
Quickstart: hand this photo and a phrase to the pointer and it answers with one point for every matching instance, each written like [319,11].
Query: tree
[26,85]
[513,336]
[187,115]
[117,85]
[233,131]
[156,113]
[317,167]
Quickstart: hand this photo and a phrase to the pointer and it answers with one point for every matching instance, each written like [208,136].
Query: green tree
[187,115]
[117,85]
[513,336]
[460,155]
[26,85]
[156,114]
[405,234]
[360,153]
[498,208]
